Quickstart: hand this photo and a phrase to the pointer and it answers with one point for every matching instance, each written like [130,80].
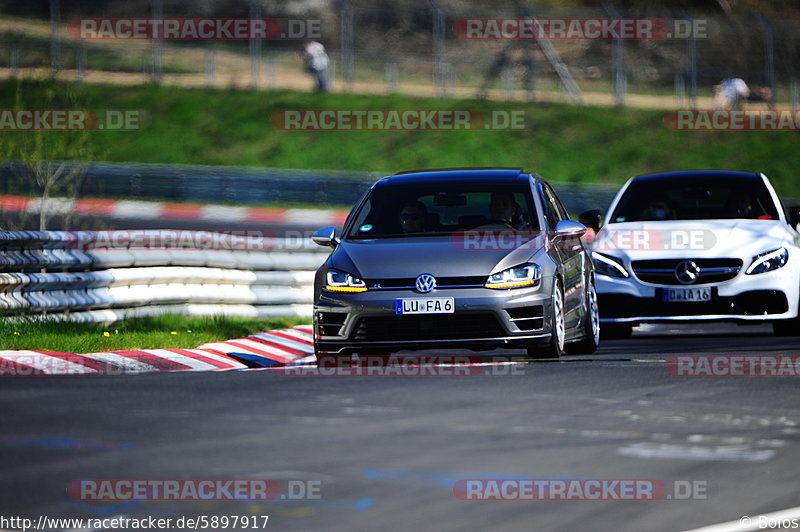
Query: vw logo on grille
[687,272]
[425,283]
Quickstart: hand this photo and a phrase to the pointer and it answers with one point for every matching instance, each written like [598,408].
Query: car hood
[695,238]
[392,258]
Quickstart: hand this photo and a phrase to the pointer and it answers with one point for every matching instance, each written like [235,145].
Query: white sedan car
[697,246]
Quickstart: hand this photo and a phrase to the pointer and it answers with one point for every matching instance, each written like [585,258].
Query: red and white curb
[148,210]
[267,349]
[271,348]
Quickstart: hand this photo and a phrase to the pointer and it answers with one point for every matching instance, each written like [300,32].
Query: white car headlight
[516,277]
[337,281]
[609,266]
[766,262]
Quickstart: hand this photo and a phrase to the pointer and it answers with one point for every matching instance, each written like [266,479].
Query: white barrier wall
[106,276]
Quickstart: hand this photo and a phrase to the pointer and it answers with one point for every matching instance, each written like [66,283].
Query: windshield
[414,209]
[695,198]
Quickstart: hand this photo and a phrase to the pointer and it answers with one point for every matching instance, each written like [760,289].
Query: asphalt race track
[386,452]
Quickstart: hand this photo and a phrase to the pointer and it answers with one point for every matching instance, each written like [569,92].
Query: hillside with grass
[564,143]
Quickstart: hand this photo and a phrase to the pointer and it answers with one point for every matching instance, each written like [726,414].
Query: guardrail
[109,275]
[248,185]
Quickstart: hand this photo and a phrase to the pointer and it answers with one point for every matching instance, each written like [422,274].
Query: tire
[554,348]
[616,331]
[591,327]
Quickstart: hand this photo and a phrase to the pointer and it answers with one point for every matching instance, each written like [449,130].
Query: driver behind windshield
[658,209]
[502,209]
[412,217]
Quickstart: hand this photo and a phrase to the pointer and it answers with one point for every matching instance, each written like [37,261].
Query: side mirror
[325,237]
[568,228]
[794,216]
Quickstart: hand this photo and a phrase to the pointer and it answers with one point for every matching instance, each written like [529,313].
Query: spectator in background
[730,93]
[316,59]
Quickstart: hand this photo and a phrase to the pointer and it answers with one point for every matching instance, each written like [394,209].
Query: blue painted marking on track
[261,361]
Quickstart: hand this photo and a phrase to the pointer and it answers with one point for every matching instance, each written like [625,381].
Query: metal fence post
[794,94]
[81,62]
[157,44]
[769,55]
[691,51]
[391,74]
[439,35]
[210,67]
[680,90]
[270,71]
[255,47]
[14,61]
[346,37]
[55,44]
[507,83]
[618,63]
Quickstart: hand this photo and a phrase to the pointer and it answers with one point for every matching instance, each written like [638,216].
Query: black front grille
[754,303]
[441,282]
[428,327]
[662,271]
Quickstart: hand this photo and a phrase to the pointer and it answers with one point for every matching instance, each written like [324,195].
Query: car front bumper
[767,296]
[483,319]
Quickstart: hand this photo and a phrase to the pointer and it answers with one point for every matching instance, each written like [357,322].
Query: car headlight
[609,266]
[766,262]
[337,281]
[516,277]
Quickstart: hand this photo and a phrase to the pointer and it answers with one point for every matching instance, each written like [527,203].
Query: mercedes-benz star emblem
[687,272]
[425,283]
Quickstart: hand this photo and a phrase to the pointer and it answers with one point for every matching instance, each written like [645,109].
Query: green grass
[562,142]
[140,333]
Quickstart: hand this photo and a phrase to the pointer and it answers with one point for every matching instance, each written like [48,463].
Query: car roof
[507,175]
[699,173]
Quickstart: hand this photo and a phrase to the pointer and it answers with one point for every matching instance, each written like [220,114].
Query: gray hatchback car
[478,258]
